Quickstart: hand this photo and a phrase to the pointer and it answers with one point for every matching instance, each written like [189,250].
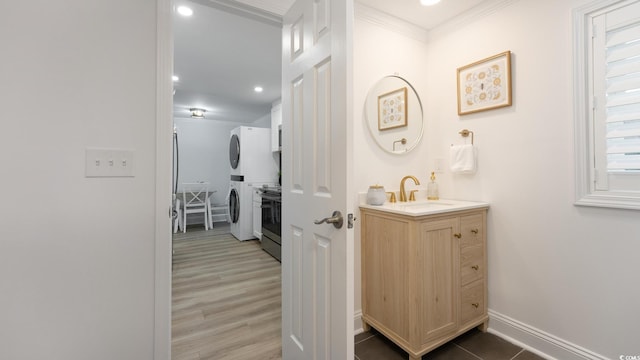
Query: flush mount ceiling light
[185,11]
[175,78]
[197,113]
[429,2]
[258,89]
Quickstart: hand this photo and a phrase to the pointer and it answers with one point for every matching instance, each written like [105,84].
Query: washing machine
[252,164]
[241,209]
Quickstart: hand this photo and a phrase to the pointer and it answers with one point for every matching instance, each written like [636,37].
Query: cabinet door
[276,122]
[257,220]
[385,276]
[438,259]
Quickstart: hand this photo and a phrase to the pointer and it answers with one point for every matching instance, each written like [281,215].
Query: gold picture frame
[393,109]
[485,84]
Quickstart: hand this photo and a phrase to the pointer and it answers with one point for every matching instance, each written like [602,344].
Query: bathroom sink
[426,207]
[420,207]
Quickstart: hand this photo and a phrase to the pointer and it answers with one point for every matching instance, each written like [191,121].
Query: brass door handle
[475,305]
[475,267]
[335,219]
[474,231]
[458,235]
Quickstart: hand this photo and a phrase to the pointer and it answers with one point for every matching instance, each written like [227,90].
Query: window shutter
[623,90]
[607,116]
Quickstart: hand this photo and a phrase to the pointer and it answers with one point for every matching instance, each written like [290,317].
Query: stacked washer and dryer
[252,164]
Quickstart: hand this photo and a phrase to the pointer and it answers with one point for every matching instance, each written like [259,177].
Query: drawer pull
[475,305]
[458,235]
[475,231]
[475,267]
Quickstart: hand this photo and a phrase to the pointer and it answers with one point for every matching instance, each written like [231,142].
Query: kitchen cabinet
[424,277]
[257,213]
[276,123]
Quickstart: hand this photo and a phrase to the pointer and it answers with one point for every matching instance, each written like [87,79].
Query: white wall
[76,253]
[375,166]
[562,272]
[204,151]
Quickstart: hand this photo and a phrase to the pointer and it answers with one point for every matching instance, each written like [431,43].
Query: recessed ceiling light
[197,113]
[185,11]
[429,2]
[175,78]
[258,89]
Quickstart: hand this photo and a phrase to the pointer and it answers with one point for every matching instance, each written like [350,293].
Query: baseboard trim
[537,341]
[527,337]
[358,325]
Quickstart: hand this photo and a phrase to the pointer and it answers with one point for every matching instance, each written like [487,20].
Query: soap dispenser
[432,188]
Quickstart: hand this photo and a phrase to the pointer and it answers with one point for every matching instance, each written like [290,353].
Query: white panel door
[317,265]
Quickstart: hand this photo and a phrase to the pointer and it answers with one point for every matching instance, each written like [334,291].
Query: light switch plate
[103,162]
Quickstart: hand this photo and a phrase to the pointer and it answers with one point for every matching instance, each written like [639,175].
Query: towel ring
[465,133]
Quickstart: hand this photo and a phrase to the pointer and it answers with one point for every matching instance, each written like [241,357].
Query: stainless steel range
[271,211]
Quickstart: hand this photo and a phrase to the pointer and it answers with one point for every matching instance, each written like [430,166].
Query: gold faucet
[403,193]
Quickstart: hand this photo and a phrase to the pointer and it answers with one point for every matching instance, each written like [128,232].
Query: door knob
[335,219]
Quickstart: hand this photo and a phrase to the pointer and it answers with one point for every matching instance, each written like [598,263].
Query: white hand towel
[463,159]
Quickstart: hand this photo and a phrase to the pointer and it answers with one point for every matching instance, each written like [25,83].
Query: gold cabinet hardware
[392,198]
[458,235]
[474,231]
[412,195]
[475,267]
[475,305]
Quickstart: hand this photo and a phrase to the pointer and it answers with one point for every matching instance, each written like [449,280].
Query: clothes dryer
[252,163]
[250,154]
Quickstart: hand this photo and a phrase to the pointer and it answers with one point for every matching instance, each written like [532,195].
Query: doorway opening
[226,293]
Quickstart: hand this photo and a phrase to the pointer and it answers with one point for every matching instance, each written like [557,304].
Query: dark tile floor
[472,345]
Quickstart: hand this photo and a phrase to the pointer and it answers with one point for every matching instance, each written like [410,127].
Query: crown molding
[387,21]
[383,19]
[244,10]
[468,17]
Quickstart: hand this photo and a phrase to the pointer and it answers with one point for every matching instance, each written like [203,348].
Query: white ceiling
[228,47]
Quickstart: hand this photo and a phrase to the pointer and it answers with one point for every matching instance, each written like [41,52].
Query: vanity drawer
[472,230]
[472,302]
[471,264]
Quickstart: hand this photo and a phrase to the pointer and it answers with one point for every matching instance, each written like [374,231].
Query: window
[607,93]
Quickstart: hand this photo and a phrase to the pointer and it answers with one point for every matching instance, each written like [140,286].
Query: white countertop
[426,207]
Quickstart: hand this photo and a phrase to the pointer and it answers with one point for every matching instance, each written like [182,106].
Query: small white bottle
[432,188]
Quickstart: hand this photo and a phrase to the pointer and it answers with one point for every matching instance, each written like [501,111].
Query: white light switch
[100,162]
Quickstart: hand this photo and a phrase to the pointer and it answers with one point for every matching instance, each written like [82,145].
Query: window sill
[609,201]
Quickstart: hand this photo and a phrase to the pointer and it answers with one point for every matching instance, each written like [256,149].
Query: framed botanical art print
[485,84]
[392,109]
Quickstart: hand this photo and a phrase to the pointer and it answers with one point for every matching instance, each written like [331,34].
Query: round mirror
[393,113]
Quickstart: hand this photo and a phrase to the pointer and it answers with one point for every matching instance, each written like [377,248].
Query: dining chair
[218,212]
[195,197]
[177,216]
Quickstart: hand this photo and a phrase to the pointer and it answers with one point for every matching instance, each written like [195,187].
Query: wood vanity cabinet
[424,277]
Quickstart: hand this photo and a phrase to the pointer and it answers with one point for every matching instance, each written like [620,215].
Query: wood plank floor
[226,298]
